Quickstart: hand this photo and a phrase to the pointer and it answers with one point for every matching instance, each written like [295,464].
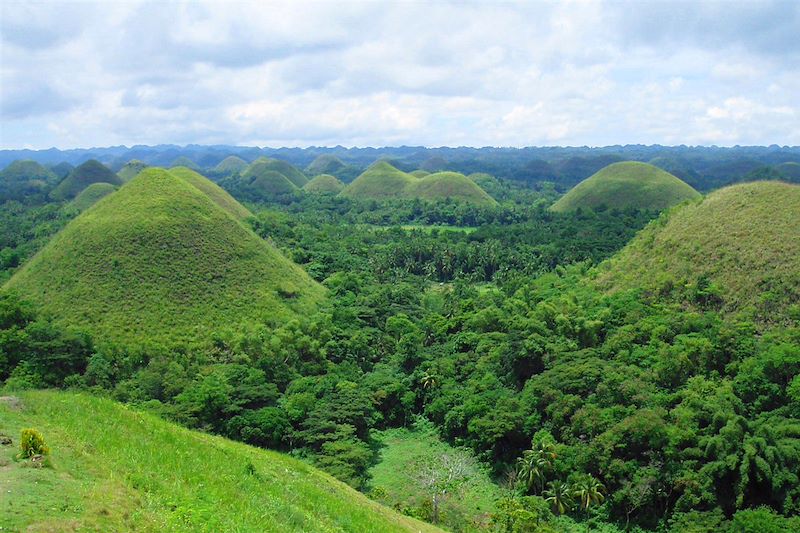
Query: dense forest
[627,410]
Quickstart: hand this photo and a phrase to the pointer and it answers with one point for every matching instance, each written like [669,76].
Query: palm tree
[428,381]
[535,463]
[589,492]
[559,495]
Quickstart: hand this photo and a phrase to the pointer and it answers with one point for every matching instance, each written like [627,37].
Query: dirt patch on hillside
[12,402]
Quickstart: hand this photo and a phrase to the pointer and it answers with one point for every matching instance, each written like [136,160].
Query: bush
[32,443]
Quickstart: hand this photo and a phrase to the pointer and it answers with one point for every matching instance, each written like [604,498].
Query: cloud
[78,74]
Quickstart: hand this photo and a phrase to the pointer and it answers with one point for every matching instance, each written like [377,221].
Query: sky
[79,74]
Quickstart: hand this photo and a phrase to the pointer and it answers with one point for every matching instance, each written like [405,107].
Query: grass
[160,261]
[383,181]
[131,169]
[324,164]
[261,179]
[429,228]
[25,170]
[90,195]
[295,176]
[400,450]
[81,177]
[117,469]
[324,184]
[627,184]
[745,238]
[184,161]
[231,165]
[217,194]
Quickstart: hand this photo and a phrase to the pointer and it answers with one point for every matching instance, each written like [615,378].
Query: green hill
[325,164]
[113,468]
[219,195]
[62,170]
[297,178]
[380,180]
[184,161]
[324,184]
[131,169]
[790,171]
[743,238]
[26,171]
[82,176]
[419,173]
[160,261]
[90,195]
[440,185]
[627,184]
[259,179]
[231,165]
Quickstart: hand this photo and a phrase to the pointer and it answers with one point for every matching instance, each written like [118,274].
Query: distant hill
[624,185]
[441,185]
[231,165]
[297,178]
[380,180]
[131,169]
[434,164]
[184,161]
[419,173]
[790,171]
[325,164]
[26,171]
[82,176]
[62,170]
[324,184]
[115,468]
[261,180]
[90,195]
[161,261]
[743,238]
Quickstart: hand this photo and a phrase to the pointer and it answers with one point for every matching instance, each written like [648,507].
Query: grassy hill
[297,178]
[159,260]
[325,164]
[440,185]
[380,180]
[790,171]
[419,173]
[324,184]
[90,195]
[231,165]
[627,184]
[82,176]
[26,170]
[131,169]
[62,170]
[184,161]
[740,237]
[261,180]
[219,195]
[117,469]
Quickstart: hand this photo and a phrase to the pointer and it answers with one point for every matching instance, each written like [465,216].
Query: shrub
[32,443]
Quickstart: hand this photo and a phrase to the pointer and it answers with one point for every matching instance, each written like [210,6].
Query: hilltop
[26,170]
[131,169]
[90,195]
[260,180]
[380,180]
[231,165]
[159,260]
[291,173]
[184,161]
[624,185]
[324,184]
[739,238]
[325,164]
[440,185]
[114,468]
[82,176]
[217,194]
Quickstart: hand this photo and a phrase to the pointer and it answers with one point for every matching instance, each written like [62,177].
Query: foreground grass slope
[744,238]
[217,194]
[160,261]
[627,184]
[117,469]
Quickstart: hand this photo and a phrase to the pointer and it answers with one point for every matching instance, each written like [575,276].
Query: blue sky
[79,74]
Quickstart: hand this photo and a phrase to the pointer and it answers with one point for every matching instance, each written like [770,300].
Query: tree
[535,463]
[442,475]
[559,495]
[589,491]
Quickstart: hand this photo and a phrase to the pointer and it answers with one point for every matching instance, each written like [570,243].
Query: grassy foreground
[118,469]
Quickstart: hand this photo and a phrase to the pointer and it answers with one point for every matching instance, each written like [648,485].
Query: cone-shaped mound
[184,161]
[25,170]
[745,239]
[380,180]
[325,164]
[231,165]
[627,184]
[160,261]
[62,170]
[260,180]
[441,185]
[131,169]
[90,195]
[419,173]
[81,177]
[324,184]
[790,171]
[219,195]
[297,178]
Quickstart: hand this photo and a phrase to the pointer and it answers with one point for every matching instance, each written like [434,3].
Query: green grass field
[739,236]
[627,184]
[400,449]
[113,468]
[160,261]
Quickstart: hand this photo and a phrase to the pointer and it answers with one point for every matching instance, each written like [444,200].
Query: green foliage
[82,176]
[24,179]
[624,185]
[32,443]
[160,261]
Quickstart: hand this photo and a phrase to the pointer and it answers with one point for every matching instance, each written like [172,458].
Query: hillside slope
[160,261]
[81,177]
[297,178]
[90,195]
[131,169]
[324,184]
[219,195]
[118,469]
[441,185]
[231,165]
[627,184]
[745,238]
[380,180]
